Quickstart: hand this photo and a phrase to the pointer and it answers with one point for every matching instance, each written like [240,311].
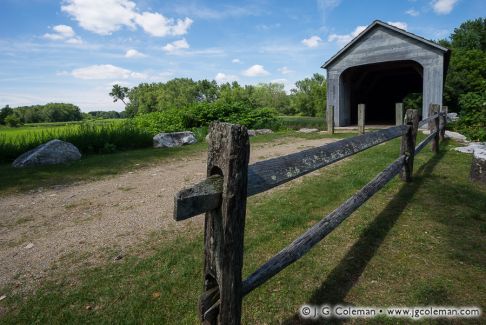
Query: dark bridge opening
[379,86]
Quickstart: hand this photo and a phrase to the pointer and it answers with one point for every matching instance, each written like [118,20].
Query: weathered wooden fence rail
[222,196]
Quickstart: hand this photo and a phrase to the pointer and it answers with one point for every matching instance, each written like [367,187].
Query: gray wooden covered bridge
[378,68]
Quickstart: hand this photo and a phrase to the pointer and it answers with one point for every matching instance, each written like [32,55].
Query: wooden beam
[424,142]
[427,120]
[270,173]
[316,233]
[228,154]
[361,118]
[199,198]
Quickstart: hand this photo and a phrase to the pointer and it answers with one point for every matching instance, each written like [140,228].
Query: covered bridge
[379,68]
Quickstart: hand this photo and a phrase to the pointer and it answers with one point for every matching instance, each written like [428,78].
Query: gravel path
[50,230]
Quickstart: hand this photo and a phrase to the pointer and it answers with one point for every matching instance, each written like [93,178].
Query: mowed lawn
[421,243]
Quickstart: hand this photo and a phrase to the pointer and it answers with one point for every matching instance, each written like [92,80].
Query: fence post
[443,123]
[408,143]
[228,155]
[330,119]
[434,126]
[361,118]
[398,113]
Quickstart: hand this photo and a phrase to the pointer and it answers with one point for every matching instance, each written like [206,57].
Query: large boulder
[50,153]
[174,139]
[472,147]
[478,166]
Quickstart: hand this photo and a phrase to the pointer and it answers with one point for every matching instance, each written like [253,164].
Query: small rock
[455,136]
[118,257]
[88,307]
[3,297]
[156,295]
[174,139]
[251,133]
[263,131]
[306,130]
[29,246]
[452,117]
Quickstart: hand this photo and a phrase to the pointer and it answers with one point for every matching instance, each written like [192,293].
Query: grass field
[298,122]
[92,167]
[411,244]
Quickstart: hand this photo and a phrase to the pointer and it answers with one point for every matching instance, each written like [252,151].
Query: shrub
[13,121]
[472,122]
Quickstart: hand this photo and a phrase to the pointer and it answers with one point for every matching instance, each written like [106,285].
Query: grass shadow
[347,273]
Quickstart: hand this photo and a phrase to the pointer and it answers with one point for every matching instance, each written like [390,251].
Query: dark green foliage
[52,112]
[202,114]
[413,101]
[465,86]
[4,112]
[473,115]
[13,120]
[105,114]
[309,96]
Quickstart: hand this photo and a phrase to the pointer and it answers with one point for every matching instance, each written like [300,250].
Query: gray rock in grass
[49,153]
[174,139]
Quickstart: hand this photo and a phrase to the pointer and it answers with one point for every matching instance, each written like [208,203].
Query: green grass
[411,244]
[298,122]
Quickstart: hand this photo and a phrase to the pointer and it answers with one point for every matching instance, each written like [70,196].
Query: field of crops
[89,137]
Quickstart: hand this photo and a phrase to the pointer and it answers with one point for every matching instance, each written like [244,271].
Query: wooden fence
[222,196]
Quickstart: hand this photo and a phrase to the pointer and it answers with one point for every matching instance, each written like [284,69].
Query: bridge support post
[330,119]
[398,113]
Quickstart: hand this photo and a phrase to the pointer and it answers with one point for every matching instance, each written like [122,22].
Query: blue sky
[75,50]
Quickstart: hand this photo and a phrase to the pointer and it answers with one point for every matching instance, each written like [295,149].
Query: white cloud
[236,61]
[325,5]
[284,70]
[176,46]
[223,78]
[399,24]
[106,71]
[107,16]
[443,7]
[157,25]
[412,12]
[313,41]
[63,33]
[346,38]
[256,70]
[132,53]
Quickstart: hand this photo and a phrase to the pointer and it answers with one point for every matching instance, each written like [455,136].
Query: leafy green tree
[470,35]
[4,112]
[13,120]
[309,96]
[119,93]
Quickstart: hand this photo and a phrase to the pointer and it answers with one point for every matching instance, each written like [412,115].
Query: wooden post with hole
[361,118]
[228,155]
[443,123]
[399,114]
[330,119]
[408,143]
[434,126]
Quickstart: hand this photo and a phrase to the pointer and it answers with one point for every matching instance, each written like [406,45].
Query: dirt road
[49,230]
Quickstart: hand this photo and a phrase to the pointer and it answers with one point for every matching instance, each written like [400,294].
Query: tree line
[308,98]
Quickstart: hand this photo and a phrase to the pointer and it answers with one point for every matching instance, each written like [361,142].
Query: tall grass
[87,137]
